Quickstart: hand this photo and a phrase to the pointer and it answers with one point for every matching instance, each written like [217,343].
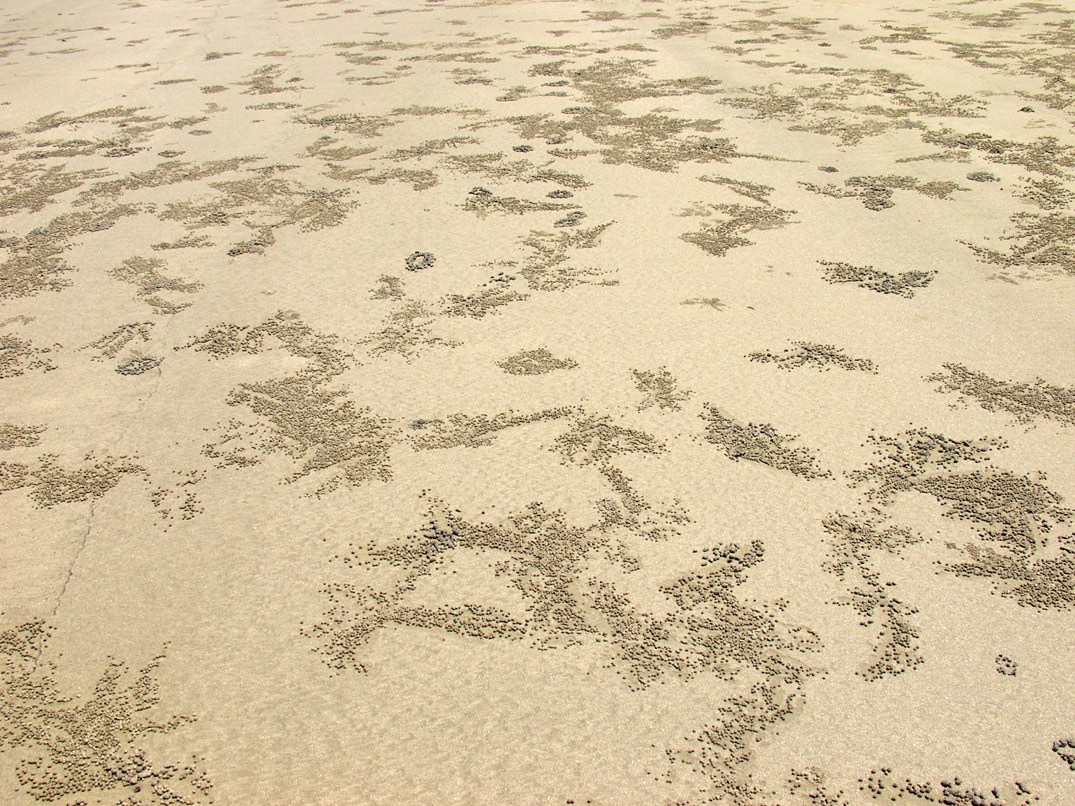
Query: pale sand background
[180,482]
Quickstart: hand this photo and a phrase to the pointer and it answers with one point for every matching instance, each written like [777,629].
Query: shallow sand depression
[533,402]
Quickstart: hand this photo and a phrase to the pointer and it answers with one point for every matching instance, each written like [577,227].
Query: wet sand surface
[626,402]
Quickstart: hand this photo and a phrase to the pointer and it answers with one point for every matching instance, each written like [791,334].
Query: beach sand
[533,402]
